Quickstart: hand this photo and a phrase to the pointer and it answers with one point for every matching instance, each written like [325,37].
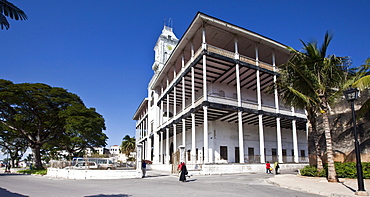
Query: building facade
[207,96]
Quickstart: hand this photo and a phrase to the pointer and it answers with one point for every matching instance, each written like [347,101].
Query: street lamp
[351,95]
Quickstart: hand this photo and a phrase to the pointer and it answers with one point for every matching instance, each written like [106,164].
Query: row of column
[205,111]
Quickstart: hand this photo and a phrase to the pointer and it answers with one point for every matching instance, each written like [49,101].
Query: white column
[161,154]
[183,100]
[240,113]
[139,148]
[277,110]
[262,142]
[156,149]
[205,135]
[205,98]
[167,161]
[174,137]
[174,114]
[149,149]
[193,153]
[204,43]
[183,132]
[295,139]
[183,109]
[260,120]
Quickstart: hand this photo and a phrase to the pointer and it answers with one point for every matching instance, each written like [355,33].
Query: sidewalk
[318,185]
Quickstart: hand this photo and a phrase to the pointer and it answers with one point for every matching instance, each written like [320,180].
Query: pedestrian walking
[276,166]
[268,167]
[183,172]
[143,168]
[7,167]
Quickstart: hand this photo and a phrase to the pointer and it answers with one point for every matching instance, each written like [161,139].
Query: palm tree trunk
[319,163]
[332,175]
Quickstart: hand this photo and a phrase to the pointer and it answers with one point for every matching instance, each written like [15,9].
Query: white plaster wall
[92,174]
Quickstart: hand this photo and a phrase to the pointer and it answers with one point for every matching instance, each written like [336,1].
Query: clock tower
[166,43]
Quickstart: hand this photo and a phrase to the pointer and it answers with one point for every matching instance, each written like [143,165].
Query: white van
[106,164]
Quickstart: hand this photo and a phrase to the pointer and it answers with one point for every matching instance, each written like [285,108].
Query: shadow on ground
[4,192]
[113,195]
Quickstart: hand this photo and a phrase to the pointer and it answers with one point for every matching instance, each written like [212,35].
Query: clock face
[169,47]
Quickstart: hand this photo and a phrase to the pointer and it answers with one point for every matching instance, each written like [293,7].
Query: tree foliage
[12,145]
[8,9]
[47,117]
[128,145]
[362,81]
[313,80]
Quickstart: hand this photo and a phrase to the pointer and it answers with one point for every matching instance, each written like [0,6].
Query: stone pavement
[318,185]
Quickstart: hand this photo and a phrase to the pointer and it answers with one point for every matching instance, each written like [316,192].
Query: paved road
[165,186]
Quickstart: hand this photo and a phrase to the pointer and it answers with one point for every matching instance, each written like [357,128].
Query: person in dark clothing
[183,173]
[276,166]
[143,168]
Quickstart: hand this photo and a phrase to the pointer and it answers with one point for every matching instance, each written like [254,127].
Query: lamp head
[351,94]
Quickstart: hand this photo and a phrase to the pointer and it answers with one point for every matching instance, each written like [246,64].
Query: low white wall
[92,174]
[160,167]
[240,168]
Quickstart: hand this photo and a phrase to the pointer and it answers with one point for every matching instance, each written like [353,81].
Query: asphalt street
[247,184]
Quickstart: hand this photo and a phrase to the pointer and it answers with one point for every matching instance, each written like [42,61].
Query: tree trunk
[319,163]
[332,175]
[314,139]
[37,156]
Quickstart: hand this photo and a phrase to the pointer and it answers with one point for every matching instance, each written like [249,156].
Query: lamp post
[351,95]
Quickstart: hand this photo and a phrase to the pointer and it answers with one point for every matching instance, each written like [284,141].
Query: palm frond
[365,109]
[4,22]
[362,83]
[10,10]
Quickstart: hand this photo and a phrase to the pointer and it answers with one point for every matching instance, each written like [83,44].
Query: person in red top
[268,167]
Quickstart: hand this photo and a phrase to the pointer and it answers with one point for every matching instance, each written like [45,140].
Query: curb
[307,190]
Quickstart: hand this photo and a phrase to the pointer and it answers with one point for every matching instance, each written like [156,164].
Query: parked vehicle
[103,163]
[84,165]
[106,164]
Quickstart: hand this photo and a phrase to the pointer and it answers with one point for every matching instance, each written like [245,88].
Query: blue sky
[103,50]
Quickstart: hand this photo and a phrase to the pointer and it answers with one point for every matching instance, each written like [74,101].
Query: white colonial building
[207,96]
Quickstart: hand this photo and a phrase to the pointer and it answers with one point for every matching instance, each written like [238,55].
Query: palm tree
[8,9]
[362,82]
[312,80]
[128,145]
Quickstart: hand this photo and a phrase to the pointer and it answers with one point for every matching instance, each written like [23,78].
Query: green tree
[313,80]
[40,114]
[8,9]
[128,145]
[362,82]
[13,145]
[84,128]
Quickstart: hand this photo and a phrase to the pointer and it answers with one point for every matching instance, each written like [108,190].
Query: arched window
[221,93]
[152,100]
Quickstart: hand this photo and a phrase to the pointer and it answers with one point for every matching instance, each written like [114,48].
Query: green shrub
[366,170]
[343,170]
[309,171]
[34,171]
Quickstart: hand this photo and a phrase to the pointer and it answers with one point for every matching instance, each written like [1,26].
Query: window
[273,152]
[303,153]
[223,152]
[188,155]
[152,100]
[237,155]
